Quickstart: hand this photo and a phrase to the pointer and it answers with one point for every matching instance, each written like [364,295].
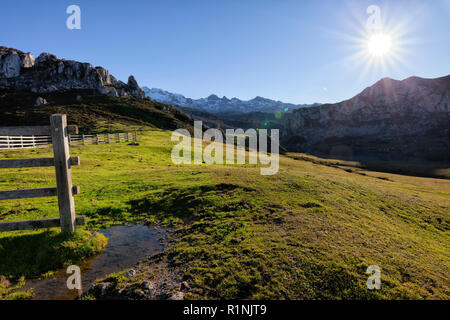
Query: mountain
[47,73]
[33,89]
[214,104]
[392,119]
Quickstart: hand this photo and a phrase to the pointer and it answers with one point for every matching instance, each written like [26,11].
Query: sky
[289,50]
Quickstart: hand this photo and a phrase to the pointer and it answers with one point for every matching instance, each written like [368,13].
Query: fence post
[63,172]
[135,136]
[7,141]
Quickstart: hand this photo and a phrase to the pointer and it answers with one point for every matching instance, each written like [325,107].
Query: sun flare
[379,44]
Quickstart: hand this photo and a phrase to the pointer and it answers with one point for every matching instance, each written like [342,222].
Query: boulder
[40,102]
[130,273]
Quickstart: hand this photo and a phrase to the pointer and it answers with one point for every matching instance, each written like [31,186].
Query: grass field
[308,232]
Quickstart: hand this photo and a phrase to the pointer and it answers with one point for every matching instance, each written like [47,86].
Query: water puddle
[127,245]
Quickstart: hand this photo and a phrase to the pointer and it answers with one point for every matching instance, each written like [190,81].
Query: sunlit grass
[308,232]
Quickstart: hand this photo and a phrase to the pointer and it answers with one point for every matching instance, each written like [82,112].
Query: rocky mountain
[392,119]
[216,105]
[47,73]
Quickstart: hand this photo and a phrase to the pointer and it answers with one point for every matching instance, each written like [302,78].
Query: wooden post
[7,141]
[63,172]
[84,142]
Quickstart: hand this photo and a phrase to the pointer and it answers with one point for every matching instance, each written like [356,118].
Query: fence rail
[22,142]
[17,137]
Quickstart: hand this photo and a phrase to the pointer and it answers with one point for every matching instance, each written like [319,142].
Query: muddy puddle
[127,245]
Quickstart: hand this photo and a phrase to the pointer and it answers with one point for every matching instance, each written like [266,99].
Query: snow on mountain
[214,104]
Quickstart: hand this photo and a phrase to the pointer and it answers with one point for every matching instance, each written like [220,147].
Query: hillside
[309,232]
[391,120]
[91,111]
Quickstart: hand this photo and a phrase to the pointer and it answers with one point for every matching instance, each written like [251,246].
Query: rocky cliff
[47,73]
[389,120]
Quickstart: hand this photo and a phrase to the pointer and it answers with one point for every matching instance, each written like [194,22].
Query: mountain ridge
[215,104]
[393,118]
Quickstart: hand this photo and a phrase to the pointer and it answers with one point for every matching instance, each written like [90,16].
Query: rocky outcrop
[389,120]
[48,73]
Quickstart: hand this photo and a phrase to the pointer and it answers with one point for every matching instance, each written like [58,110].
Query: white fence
[21,142]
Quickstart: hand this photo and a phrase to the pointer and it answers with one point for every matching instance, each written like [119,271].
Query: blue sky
[290,50]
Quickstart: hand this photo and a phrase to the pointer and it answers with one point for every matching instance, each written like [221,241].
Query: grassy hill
[309,232]
[94,113]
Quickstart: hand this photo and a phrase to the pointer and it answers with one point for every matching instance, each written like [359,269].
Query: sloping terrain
[308,232]
[92,113]
[391,120]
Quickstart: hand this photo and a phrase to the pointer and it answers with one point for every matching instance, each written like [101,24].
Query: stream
[127,245]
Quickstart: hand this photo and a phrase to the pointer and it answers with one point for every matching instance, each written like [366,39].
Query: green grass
[28,255]
[309,232]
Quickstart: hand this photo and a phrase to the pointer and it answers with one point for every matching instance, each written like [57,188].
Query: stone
[148,285]
[40,102]
[10,65]
[177,296]
[103,287]
[132,83]
[184,286]
[27,60]
[130,273]
[135,90]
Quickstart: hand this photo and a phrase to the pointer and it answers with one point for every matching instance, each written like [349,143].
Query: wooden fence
[32,141]
[62,161]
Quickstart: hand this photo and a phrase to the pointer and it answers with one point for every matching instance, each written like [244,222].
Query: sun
[379,44]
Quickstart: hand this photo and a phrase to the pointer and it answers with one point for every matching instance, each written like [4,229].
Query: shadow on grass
[32,255]
[189,204]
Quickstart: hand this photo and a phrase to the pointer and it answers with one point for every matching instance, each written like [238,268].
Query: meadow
[308,232]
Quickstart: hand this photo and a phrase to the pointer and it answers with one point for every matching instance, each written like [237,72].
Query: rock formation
[19,70]
[389,120]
